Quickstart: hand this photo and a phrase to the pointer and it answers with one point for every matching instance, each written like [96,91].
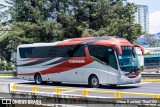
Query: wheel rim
[94,81]
[38,79]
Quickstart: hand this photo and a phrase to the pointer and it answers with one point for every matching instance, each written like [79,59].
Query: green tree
[100,17]
[29,21]
[5,50]
[152,42]
[50,20]
[32,19]
[119,21]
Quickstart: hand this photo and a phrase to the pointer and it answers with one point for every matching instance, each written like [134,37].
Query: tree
[50,20]
[106,17]
[29,22]
[120,21]
[152,42]
[5,51]
[101,17]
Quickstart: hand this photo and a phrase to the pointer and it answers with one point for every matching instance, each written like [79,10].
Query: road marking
[143,82]
[139,83]
[151,80]
[67,91]
[67,105]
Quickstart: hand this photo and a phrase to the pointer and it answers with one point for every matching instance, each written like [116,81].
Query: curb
[150,80]
[8,77]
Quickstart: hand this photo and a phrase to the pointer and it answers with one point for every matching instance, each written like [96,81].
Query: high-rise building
[142,17]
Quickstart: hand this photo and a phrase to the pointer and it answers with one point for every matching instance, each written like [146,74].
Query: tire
[38,79]
[93,81]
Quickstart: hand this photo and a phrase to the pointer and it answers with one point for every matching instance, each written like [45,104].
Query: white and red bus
[91,60]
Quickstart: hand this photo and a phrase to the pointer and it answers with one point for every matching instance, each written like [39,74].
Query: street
[143,87]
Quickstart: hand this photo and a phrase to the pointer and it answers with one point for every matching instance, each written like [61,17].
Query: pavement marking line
[144,83]
[150,80]
[136,83]
[66,105]
[67,91]
[84,92]
[116,94]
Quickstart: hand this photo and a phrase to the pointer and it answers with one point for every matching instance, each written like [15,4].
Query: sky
[154,13]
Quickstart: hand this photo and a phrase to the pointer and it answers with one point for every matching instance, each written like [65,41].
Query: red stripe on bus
[65,66]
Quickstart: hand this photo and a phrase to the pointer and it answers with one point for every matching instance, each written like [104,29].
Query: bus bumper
[125,80]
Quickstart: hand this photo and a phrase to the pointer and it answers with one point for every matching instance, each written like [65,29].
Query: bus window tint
[67,51]
[25,52]
[128,60]
[53,51]
[40,52]
[78,51]
[103,54]
[58,51]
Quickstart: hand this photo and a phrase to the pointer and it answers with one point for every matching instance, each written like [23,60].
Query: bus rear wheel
[93,81]
[38,79]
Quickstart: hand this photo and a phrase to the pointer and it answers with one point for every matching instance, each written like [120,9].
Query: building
[142,17]
[157,36]
[151,59]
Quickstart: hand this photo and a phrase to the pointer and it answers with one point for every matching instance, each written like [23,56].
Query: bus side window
[78,51]
[67,51]
[28,55]
[98,53]
[103,54]
[57,51]
[25,52]
[112,59]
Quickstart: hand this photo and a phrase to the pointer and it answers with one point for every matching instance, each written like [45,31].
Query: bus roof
[104,40]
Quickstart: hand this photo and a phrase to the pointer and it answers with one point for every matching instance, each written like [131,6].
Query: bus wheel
[38,79]
[93,81]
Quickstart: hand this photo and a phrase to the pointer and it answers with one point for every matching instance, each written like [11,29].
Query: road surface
[144,87]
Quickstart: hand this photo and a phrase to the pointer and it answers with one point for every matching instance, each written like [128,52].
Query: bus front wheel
[38,79]
[93,81]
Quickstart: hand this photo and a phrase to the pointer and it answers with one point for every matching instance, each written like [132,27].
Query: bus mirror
[133,52]
[142,49]
[119,49]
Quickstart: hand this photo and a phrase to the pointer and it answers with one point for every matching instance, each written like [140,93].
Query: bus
[94,61]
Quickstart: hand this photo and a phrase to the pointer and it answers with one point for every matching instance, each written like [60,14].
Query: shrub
[142,68]
[5,66]
[2,65]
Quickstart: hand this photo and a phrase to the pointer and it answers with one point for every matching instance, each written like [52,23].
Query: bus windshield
[128,60]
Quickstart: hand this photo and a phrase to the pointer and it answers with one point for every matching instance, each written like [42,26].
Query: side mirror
[133,52]
[142,49]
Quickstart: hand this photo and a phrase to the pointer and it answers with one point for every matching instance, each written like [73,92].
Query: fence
[84,92]
[152,61]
